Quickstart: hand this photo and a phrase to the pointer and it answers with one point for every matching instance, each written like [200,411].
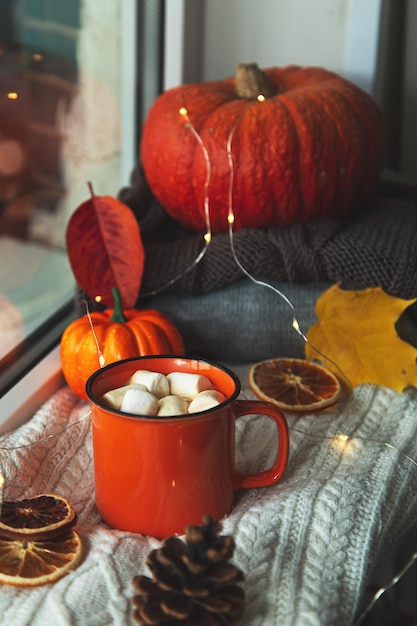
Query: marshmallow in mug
[139,401]
[172,405]
[153,393]
[205,400]
[155,382]
[188,385]
[114,397]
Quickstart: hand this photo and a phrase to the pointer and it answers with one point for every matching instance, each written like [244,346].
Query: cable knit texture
[375,246]
[306,546]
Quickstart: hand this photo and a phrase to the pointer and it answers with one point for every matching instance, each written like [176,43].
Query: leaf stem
[118,311]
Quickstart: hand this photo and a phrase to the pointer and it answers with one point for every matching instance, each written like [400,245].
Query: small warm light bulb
[12,95]
[98,299]
[296,325]
[37,56]
[346,444]
[207,237]
[231,218]
[340,442]
[261,98]
[343,438]
[183,111]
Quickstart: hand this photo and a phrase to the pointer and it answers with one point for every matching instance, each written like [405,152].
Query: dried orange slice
[294,384]
[30,563]
[36,518]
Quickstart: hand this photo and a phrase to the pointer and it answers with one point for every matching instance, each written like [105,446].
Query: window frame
[25,371]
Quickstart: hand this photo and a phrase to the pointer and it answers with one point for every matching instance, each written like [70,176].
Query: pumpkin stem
[252,82]
[118,311]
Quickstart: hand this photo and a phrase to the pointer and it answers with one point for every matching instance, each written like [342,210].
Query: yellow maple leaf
[356,330]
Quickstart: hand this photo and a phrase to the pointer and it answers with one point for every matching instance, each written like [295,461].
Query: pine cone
[192,583]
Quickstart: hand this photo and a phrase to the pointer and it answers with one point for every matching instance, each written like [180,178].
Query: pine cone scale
[195,568]
[151,613]
[194,591]
[178,607]
[226,573]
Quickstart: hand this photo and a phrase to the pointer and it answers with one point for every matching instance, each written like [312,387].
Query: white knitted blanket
[306,546]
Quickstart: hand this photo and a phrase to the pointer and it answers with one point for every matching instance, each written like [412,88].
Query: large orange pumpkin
[120,335]
[313,147]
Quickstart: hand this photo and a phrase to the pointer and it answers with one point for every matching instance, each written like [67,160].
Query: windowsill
[19,404]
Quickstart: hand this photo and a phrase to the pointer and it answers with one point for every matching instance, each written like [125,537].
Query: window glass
[67,117]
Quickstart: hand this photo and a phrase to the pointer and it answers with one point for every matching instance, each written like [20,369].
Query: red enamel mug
[157,475]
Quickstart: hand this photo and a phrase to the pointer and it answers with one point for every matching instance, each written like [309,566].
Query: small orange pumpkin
[117,335]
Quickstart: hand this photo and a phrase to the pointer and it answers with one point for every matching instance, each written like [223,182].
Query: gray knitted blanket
[375,246]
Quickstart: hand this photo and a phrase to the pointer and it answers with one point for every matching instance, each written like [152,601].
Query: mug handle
[274,473]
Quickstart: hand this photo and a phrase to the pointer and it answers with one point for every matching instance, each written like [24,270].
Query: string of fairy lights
[341,441]
[183,112]
[230,212]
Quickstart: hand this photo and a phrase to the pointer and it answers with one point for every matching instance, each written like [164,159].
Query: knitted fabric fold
[306,545]
[375,246]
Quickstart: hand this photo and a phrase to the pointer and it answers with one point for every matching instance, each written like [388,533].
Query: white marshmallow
[206,400]
[172,405]
[155,382]
[188,385]
[114,397]
[139,402]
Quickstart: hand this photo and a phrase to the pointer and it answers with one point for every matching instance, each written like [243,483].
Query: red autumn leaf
[105,249]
